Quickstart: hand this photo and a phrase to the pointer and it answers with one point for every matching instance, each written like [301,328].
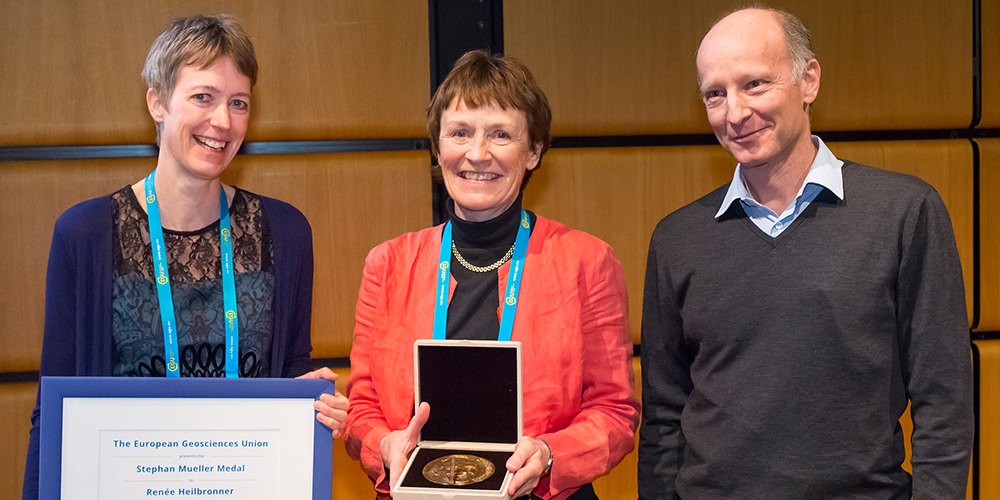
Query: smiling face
[205,120]
[757,109]
[484,153]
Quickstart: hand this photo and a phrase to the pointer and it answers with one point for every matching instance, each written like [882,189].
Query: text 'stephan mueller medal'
[458,470]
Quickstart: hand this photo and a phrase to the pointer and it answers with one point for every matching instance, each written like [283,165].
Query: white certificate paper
[189,447]
[220,463]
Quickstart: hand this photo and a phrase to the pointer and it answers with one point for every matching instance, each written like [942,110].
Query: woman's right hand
[397,445]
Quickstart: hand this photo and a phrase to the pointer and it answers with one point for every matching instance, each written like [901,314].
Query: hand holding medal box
[474,390]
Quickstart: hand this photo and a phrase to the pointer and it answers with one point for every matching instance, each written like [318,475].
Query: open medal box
[474,390]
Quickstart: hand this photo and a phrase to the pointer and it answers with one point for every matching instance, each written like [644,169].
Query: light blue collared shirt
[825,172]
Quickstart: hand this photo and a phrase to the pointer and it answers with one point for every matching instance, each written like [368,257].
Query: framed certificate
[121,437]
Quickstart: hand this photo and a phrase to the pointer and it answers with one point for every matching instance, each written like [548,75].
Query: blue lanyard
[513,281]
[166,301]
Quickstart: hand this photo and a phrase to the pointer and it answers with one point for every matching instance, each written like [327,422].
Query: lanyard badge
[514,274]
[162,276]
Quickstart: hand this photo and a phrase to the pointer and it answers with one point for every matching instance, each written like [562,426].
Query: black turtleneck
[473,312]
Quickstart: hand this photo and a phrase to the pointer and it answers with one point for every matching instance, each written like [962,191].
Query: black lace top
[196,286]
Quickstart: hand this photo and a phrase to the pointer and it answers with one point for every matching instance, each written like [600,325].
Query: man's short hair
[798,43]
[199,41]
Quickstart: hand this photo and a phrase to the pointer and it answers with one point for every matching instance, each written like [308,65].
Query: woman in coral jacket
[565,298]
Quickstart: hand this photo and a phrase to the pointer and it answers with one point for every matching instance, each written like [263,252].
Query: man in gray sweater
[790,316]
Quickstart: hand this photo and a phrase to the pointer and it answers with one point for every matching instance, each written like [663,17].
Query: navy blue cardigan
[78,289]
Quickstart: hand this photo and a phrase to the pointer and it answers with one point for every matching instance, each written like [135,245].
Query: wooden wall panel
[353,201]
[989,234]
[621,483]
[616,68]
[989,419]
[32,195]
[620,194]
[71,72]
[613,68]
[946,165]
[16,403]
[990,64]
[880,59]
[349,481]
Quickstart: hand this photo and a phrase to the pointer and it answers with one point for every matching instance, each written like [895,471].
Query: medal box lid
[473,388]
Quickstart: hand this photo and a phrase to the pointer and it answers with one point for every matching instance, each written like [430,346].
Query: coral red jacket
[576,350]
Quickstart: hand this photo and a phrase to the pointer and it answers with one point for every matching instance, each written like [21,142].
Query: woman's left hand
[528,463]
[331,408]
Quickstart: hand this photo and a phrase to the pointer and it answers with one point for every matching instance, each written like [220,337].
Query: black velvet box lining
[472,391]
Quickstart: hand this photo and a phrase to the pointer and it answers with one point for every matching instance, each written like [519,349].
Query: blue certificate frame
[54,390]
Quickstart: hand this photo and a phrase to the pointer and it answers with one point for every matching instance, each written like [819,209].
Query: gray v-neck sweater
[778,368]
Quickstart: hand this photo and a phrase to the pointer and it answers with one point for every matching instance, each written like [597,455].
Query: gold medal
[458,470]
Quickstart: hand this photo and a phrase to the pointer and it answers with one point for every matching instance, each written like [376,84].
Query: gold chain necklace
[477,269]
